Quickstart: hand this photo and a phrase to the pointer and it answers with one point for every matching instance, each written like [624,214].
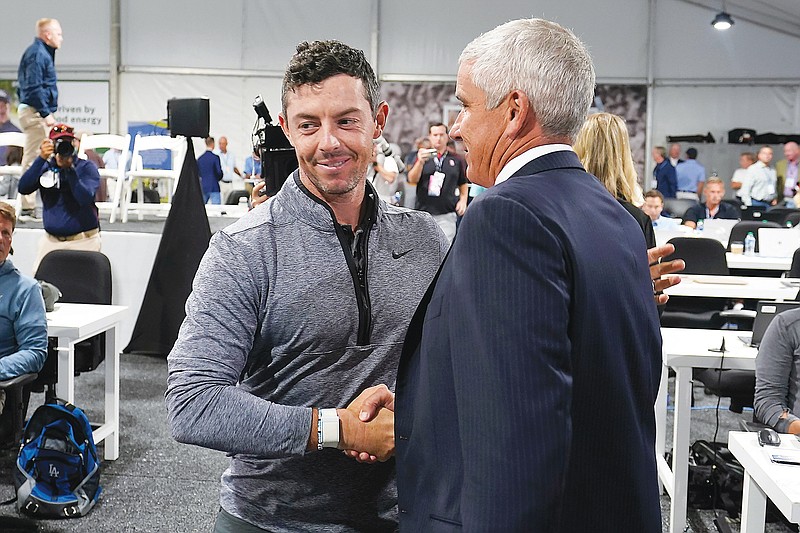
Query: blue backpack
[57,474]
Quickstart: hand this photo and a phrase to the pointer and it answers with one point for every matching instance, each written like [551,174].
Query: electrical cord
[719,521]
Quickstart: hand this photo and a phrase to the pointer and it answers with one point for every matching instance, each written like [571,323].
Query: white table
[763,478]
[683,350]
[72,323]
[745,287]
[758,262]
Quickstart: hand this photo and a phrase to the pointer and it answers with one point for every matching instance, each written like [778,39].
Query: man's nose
[455,130]
[329,139]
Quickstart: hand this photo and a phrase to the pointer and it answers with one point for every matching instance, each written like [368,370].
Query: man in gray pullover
[296,309]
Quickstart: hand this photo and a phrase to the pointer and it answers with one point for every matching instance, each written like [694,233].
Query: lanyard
[438,161]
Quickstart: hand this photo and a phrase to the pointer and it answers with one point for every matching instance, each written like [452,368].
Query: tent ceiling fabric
[779,15]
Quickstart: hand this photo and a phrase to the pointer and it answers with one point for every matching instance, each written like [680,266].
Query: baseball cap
[4,96]
[61,130]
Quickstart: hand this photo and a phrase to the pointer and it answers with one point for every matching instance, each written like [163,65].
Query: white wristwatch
[328,429]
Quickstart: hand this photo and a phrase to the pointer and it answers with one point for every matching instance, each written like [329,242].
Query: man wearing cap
[67,185]
[5,123]
[38,93]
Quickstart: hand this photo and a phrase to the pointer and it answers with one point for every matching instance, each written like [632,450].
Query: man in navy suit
[527,382]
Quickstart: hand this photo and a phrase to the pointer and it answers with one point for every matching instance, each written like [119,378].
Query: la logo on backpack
[57,474]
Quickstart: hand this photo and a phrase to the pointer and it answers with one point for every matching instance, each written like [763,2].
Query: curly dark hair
[317,61]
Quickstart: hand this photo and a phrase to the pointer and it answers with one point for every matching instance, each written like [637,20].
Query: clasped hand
[368,430]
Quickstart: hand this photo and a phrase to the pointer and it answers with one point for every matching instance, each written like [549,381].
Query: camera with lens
[64,147]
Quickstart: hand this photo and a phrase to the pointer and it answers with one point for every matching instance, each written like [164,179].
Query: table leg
[661,418]
[680,448]
[111,442]
[754,506]
[65,388]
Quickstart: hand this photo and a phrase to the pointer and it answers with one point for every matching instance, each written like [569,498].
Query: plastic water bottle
[700,224]
[750,244]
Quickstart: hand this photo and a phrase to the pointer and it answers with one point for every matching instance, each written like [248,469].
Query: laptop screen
[766,311]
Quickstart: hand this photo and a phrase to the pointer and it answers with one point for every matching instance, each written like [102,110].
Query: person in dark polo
[67,185]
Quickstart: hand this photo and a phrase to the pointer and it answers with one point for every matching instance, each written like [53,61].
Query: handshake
[368,425]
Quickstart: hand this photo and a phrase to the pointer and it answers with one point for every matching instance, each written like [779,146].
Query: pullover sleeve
[776,357]
[29,181]
[83,181]
[205,407]
[30,332]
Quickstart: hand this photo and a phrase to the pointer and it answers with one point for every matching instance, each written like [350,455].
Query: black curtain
[183,243]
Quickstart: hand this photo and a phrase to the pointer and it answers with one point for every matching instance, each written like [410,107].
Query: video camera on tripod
[278,159]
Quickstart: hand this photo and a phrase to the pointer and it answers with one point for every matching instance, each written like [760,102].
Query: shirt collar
[526,157]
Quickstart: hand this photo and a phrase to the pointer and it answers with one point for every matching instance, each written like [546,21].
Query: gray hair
[542,59]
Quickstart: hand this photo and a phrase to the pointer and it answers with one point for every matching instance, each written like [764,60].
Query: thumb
[381,398]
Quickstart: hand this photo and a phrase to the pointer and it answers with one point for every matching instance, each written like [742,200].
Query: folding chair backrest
[12,138]
[176,145]
[106,140]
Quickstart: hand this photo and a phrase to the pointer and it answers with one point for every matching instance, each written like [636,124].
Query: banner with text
[84,105]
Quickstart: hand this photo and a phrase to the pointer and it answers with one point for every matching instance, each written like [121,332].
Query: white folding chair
[118,142]
[177,148]
[13,138]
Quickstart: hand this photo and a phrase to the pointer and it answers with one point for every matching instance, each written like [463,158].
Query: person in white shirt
[759,187]
[229,170]
[653,205]
[675,154]
[740,174]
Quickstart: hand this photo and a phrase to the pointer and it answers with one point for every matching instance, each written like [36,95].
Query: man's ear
[285,127]
[380,119]
[519,113]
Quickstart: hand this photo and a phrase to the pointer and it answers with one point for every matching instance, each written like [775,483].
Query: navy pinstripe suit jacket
[526,386]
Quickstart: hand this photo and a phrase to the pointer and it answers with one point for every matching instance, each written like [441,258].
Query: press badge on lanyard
[437,178]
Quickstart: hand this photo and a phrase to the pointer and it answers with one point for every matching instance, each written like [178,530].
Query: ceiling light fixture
[722,21]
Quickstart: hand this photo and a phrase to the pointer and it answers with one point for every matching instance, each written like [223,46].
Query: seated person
[23,324]
[777,365]
[653,205]
[713,207]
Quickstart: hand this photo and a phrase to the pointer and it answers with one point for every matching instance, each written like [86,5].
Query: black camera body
[64,147]
[278,159]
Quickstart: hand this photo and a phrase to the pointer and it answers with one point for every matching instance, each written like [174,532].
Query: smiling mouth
[333,164]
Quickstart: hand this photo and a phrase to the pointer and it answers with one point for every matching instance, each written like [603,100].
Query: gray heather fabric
[275,288]
[777,371]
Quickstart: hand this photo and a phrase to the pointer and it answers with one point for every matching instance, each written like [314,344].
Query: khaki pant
[225,188]
[35,131]
[48,243]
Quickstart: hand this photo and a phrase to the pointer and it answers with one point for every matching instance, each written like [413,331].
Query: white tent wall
[85,54]
[702,80]
[420,38]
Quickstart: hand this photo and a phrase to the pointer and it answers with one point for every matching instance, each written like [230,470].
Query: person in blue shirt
[252,167]
[691,177]
[23,324]
[68,186]
[210,169]
[653,205]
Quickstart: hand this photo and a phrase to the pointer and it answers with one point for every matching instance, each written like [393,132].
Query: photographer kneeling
[68,186]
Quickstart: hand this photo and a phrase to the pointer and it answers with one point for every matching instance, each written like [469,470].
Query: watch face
[48,180]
